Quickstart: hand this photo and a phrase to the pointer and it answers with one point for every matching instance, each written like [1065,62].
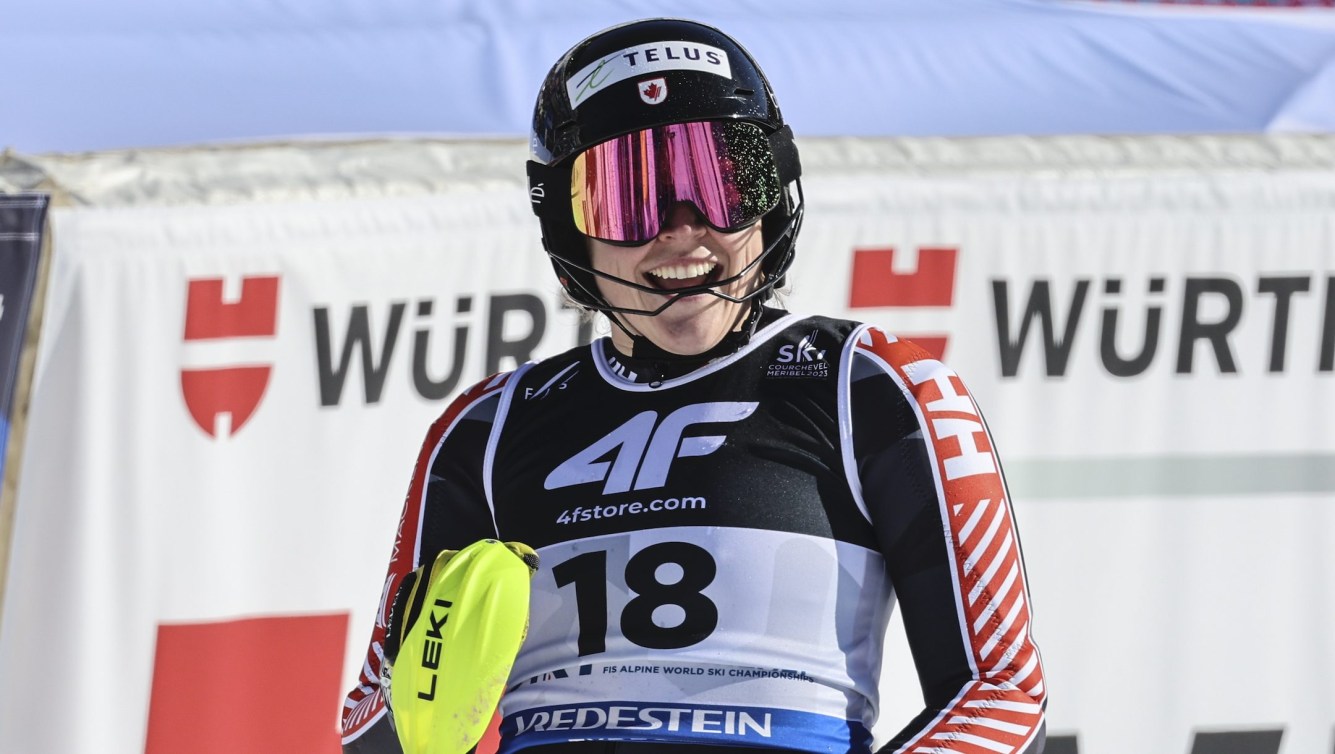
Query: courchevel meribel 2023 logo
[802,359]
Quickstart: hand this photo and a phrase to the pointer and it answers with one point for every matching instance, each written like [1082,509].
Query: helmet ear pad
[566,247]
[568,250]
[779,229]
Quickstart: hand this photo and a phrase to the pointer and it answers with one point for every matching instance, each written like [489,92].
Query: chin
[691,334]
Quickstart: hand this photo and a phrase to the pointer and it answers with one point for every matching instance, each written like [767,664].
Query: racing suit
[721,549]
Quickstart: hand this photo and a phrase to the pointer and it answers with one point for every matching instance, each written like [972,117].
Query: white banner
[233,382]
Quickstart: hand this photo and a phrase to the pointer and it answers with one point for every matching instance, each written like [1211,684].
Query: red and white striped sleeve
[445,489]
[933,486]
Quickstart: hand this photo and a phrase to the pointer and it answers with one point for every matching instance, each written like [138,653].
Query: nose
[682,221]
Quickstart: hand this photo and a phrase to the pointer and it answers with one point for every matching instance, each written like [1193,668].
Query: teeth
[683,271]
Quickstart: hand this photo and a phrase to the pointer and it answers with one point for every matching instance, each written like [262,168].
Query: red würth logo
[203,698]
[878,282]
[222,397]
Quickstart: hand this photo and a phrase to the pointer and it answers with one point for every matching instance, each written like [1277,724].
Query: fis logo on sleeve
[559,382]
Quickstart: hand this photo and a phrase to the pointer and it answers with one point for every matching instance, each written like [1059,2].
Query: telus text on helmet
[646,58]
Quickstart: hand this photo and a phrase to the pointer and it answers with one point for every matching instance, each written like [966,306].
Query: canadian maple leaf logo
[653,91]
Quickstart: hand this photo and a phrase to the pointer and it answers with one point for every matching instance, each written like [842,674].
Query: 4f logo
[643,448]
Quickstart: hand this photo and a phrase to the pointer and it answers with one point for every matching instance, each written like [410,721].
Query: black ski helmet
[577,109]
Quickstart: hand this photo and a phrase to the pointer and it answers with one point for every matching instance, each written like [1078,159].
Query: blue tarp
[99,75]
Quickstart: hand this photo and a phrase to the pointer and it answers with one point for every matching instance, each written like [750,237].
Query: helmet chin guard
[643,75]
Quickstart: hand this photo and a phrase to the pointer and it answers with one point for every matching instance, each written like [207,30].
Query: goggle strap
[542,181]
[785,155]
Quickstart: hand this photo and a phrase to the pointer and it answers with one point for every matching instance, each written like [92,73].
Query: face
[685,253]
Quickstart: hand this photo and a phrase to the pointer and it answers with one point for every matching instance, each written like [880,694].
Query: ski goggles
[623,190]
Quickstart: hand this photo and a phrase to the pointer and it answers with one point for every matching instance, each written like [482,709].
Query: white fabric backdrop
[1177,524]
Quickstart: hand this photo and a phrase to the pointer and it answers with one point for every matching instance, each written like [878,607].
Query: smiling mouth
[675,277]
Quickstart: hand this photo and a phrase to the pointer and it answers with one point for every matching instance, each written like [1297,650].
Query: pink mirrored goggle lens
[623,189]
